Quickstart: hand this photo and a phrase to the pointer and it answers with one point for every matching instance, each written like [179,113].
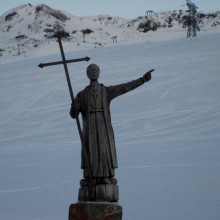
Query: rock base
[95,211]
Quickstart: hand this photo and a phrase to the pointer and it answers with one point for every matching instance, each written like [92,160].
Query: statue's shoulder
[104,88]
[86,89]
[82,92]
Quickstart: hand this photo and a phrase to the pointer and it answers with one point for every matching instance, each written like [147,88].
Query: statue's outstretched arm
[121,89]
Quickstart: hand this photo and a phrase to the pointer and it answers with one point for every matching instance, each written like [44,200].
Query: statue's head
[93,72]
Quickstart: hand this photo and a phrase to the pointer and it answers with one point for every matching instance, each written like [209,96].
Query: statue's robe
[94,105]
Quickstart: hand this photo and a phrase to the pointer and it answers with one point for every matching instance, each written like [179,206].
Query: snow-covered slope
[167,132]
[26,30]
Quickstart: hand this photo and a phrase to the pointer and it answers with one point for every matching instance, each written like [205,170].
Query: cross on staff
[41,65]
[59,36]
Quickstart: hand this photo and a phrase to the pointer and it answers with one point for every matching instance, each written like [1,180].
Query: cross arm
[41,65]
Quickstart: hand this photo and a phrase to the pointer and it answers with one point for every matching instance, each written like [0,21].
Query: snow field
[167,131]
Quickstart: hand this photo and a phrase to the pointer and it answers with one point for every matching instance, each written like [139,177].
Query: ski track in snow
[38,187]
[169,165]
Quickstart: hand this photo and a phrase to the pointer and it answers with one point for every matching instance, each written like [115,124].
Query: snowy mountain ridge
[26,27]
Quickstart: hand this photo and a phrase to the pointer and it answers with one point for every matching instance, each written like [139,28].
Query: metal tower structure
[191,22]
[192,7]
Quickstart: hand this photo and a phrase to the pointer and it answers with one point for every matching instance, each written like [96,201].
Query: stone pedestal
[95,211]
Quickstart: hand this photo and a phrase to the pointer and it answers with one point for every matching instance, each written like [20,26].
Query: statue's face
[93,72]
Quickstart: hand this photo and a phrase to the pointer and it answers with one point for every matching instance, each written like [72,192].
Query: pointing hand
[147,75]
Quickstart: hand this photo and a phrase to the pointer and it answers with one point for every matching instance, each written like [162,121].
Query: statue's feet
[96,181]
[88,182]
[109,181]
[113,181]
[83,183]
[106,181]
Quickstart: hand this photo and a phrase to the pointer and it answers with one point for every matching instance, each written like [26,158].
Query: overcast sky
[122,8]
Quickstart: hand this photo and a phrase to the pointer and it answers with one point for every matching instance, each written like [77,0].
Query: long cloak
[98,150]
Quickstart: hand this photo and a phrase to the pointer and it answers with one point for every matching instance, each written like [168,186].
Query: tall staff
[59,36]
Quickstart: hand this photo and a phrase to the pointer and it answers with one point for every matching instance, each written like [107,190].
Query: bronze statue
[99,158]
